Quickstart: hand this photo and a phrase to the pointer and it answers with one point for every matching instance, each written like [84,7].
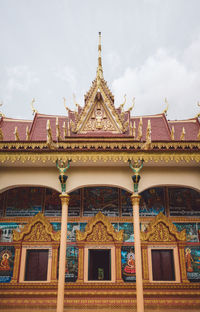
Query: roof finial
[99,68]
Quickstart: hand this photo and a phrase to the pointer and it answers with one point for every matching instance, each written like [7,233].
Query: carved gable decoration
[99,229]
[99,113]
[37,230]
[162,230]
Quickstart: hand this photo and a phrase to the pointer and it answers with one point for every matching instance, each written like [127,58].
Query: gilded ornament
[38,229]
[161,229]
[99,229]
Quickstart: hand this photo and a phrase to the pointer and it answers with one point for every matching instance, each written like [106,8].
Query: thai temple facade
[99,209]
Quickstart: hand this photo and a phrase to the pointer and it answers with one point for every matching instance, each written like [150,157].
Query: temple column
[62,257]
[138,259]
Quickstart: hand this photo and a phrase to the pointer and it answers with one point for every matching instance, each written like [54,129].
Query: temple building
[76,239]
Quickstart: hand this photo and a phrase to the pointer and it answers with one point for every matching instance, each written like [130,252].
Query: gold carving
[99,234]
[183,265]
[100,229]
[38,229]
[16,265]
[145,264]
[64,199]
[54,264]
[161,229]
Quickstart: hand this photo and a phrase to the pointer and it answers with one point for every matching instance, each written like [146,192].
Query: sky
[150,51]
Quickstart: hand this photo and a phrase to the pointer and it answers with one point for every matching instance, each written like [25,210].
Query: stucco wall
[90,176]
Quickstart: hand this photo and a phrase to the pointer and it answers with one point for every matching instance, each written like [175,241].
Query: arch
[102,176]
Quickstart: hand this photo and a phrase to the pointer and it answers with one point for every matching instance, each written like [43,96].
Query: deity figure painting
[6,263]
[192,260]
[128,264]
[130,267]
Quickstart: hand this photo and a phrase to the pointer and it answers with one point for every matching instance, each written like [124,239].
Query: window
[163,265]
[99,264]
[36,264]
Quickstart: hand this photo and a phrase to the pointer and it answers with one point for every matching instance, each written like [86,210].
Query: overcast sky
[150,50]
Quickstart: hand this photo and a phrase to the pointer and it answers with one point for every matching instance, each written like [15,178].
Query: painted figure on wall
[7,254]
[128,264]
[130,267]
[189,260]
[184,202]
[5,263]
[152,202]
[62,167]
[192,259]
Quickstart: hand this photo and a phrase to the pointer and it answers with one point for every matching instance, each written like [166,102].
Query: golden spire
[182,137]
[34,111]
[167,106]
[27,134]
[99,68]
[1,114]
[172,133]
[16,134]
[198,115]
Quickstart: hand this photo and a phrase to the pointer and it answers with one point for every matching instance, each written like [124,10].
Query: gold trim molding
[156,157]
[161,229]
[38,229]
[99,229]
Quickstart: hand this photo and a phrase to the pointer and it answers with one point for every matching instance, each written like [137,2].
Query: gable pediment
[161,229]
[38,229]
[99,229]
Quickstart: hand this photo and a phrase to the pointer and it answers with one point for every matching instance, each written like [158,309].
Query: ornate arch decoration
[38,229]
[161,229]
[99,229]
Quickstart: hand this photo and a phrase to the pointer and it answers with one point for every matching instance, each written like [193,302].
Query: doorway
[99,265]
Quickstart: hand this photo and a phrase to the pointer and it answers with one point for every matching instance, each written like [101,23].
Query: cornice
[100,156]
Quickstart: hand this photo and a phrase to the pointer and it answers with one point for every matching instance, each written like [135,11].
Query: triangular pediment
[39,229]
[161,229]
[99,229]
[99,113]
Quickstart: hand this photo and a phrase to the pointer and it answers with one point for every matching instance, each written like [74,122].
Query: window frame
[175,258]
[23,263]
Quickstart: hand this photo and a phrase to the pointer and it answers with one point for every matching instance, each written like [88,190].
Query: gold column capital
[64,198]
[135,198]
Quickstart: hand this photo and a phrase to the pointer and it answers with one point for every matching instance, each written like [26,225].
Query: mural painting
[128,231]
[71,231]
[71,266]
[82,226]
[6,231]
[102,199]
[199,232]
[24,201]
[56,226]
[128,264]
[184,202]
[52,203]
[74,204]
[192,259]
[7,254]
[1,204]
[152,202]
[127,209]
[191,230]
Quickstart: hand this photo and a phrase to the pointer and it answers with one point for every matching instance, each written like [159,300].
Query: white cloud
[20,78]
[163,75]
[68,75]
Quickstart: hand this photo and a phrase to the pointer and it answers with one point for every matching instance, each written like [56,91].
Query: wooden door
[36,265]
